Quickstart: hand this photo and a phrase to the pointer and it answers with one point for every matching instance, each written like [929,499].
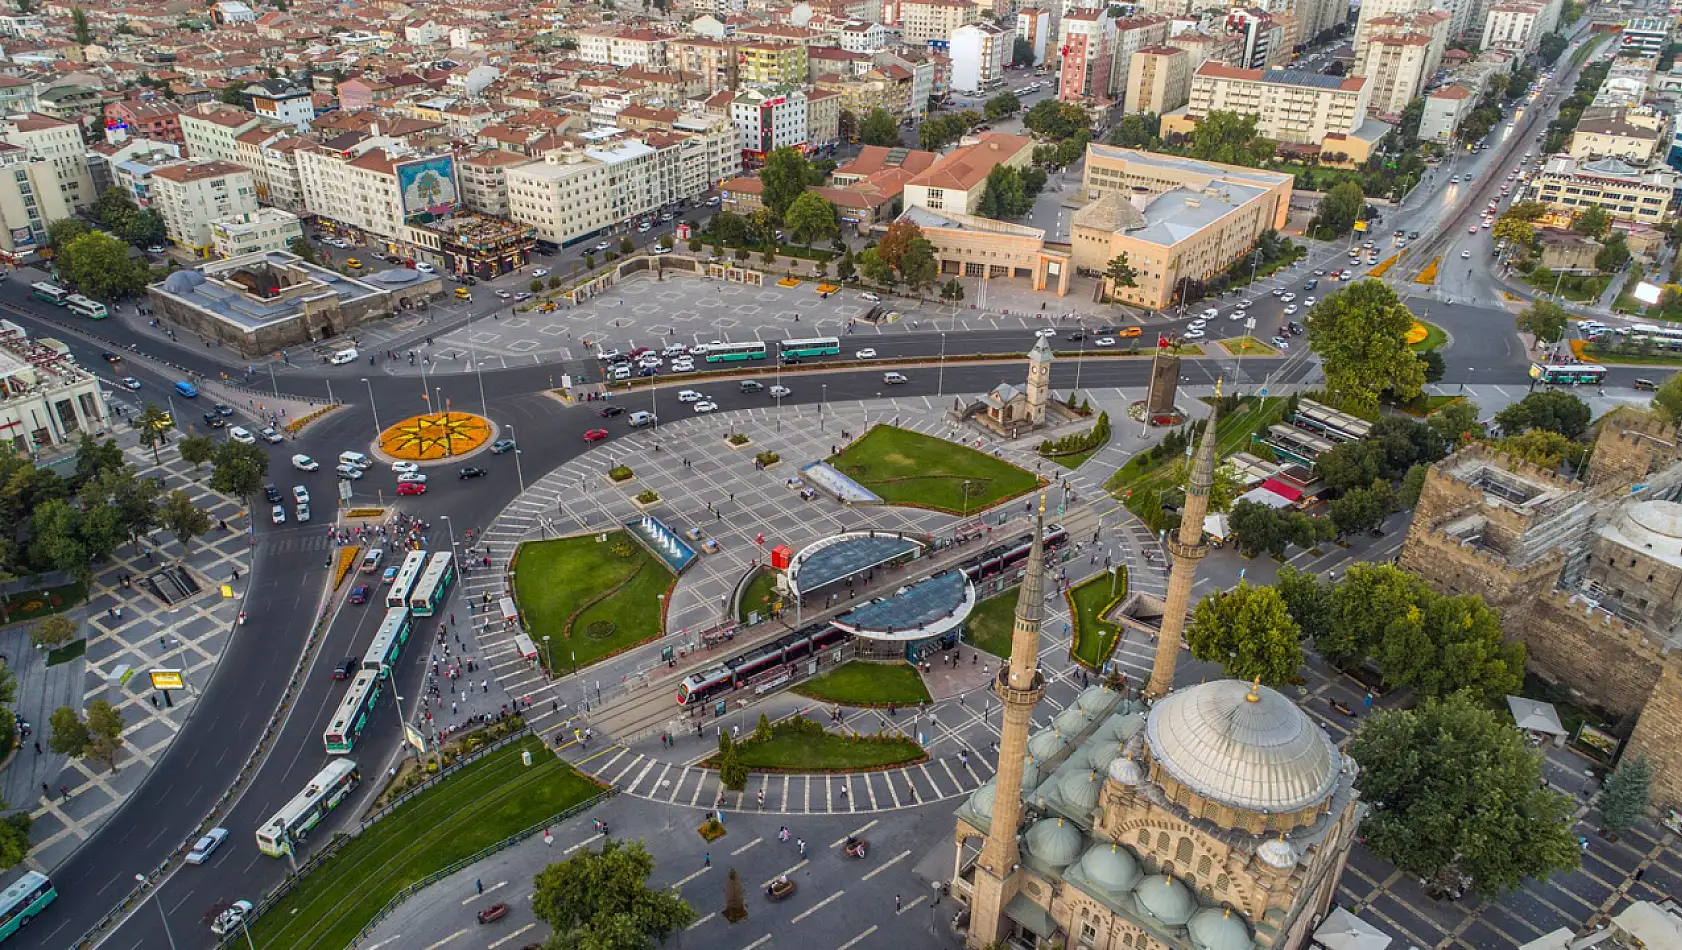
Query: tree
[937,132]
[105,733]
[918,268]
[100,266]
[897,241]
[879,128]
[304,249]
[1362,607]
[187,520]
[952,291]
[601,899]
[1667,399]
[1005,195]
[1591,222]
[1613,254]
[1550,46]
[626,245]
[94,456]
[1307,599]
[1229,138]
[735,909]
[1363,509]
[79,26]
[56,544]
[1055,120]
[1544,320]
[1022,52]
[53,631]
[232,95]
[1553,410]
[1249,631]
[1121,274]
[811,218]
[1412,484]
[1340,208]
[845,268]
[874,269]
[1001,105]
[1138,131]
[1625,796]
[69,733]
[1453,424]
[1463,798]
[238,469]
[14,836]
[1538,447]
[536,285]
[847,126]
[1360,335]
[664,242]
[785,175]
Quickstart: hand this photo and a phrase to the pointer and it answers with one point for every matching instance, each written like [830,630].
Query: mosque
[1217,817]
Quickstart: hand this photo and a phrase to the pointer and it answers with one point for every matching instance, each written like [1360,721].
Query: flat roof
[834,560]
[251,312]
[924,609]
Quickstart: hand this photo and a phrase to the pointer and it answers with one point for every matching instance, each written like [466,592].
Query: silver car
[207,845]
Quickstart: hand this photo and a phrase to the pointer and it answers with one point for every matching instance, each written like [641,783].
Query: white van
[894,379]
[621,372]
[355,458]
[304,463]
[342,357]
[640,419]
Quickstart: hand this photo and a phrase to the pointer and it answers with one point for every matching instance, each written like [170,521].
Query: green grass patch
[1626,302]
[64,654]
[1631,354]
[759,595]
[477,807]
[1574,287]
[909,468]
[1247,346]
[1435,337]
[592,599]
[1076,459]
[992,622]
[867,684]
[1095,638]
[801,745]
[41,603]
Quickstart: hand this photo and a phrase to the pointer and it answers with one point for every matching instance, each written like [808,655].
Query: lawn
[1095,639]
[40,603]
[1595,353]
[1247,346]
[64,654]
[1434,337]
[797,747]
[477,807]
[908,468]
[1571,287]
[759,595]
[867,684]
[991,624]
[591,598]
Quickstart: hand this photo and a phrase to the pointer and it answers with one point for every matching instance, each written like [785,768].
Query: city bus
[1572,374]
[434,585]
[86,307]
[734,352]
[398,594]
[19,903]
[292,823]
[388,640]
[51,293]
[354,713]
[821,346]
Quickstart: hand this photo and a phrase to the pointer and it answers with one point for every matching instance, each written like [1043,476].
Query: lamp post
[453,549]
[823,399]
[397,707]
[373,407]
[478,371]
[161,916]
[940,374]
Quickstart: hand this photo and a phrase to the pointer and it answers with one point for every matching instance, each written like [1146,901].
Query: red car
[595,435]
[359,594]
[411,488]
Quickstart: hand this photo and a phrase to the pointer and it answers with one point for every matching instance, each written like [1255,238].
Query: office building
[1626,193]
[768,119]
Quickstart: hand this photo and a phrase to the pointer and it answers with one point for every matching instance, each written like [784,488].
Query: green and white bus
[397,595]
[388,640]
[821,346]
[86,307]
[354,713]
[1571,374]
[51,293]
[19,903]
[293,822]
[434,585]
[734,352]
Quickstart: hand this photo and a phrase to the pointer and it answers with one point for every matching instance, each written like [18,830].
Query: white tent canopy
[1344,931]
[1535,716]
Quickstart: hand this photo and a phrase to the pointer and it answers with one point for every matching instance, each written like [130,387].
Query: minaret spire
[1187,548]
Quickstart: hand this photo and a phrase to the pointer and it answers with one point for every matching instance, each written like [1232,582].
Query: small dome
[397,275]
[1165,899]
[1080,789]
[1126,771]
[1045,744]
[1111,867]
[1219,929]
[1093,699]
[1071,720]
[1278,853]
[182,282]
[981,800]
[1122,727]
[1102,754]
[1030,771]
[1054,841]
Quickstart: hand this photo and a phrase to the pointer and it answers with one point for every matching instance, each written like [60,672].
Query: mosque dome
[1102,754]
[1120,728]
[1126,771]
[1045,744]
[1278,853]
[1111,867]
[1030,771]
[1246,747]
[981,800]
[1080,789]
[1653,527]
[1165,899]
[1093,699]
[1054,841]
[1218,929]
[1071,720]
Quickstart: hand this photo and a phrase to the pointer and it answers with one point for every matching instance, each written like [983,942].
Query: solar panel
[1299,77]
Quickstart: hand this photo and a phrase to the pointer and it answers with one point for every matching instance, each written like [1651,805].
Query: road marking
[696,923]
[677,884]
[758,943]
[887,864]
[855,833]
[502,940]
[784,874]
[471,898]
[590,840]
[907,908]
[746,846]
[849,945]
[392,939]
[435,946]
[815,907]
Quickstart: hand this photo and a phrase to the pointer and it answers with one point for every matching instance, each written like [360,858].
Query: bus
[822,346]
[51,293]
[434,585]
[1572,374]
[398,594]
[86,307]
[354,713]
[388,640]
[27,897]
[292,823]
[733,352]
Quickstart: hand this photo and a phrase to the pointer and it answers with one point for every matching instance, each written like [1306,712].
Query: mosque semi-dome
[1165,899]
[1080,789]
[981,800]
[1045,744]
[1248,748]
[1102,754]
[1126,771]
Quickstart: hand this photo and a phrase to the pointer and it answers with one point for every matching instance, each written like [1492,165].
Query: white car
[272,435]
[1104,341]
[207,845]
[129,382]
[1238,315]
[690,395]
[304,463]
[418,478]
[683,364]
[540,272]
[606,355]
[1211,313]
[865,354]
[1465,255]
[505,295]
[1197,324]
[1309,301]
[649,360]
[342,357]
[871,296]
[706,407]
[242,435]
[1290,310]
[303,513]
[780,392]
[1045,332]
[300,494]
[231,919]
[661,249]
[404,468]
[1287,297]
[278,514]
[1193,334]
[424,267]
[674,349]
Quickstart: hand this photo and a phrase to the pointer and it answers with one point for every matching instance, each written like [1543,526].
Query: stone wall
[1658,736]
[1455,568]
[1631,445]
[1610,665]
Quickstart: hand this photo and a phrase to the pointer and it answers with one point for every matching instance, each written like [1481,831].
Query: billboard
[427,186]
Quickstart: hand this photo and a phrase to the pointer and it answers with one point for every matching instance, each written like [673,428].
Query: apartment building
[59,144]
[1399,56]
[1133,34]
[622,47]
[1260,38]
[864,37]
[954,183]
[193,195]
[355,188]
[571,194]
[1177,219]
[1610,133]
[823,118]
[1644,36]
[1158,80]
[772,63]
[30,199]
[1514,27]
[263,230]
[271,155]
[484,180]
[212,130]
[1292,106]
[1445,109]
[1039,27]
[925,22]
[768,119]
[1375,10]
[712,60]
[156,119]
[979,53]
[1626,193]
[1087,47]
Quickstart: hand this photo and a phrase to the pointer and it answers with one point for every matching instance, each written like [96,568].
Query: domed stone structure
[1212,929]
[1165,899]
[1126,771]
[1102,754]
[981,800]
[1080,790]
[1046,744]
[1111,867]
[1055,842]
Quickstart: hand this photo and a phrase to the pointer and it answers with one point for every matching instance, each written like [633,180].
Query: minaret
[1187,549]
[1020,687]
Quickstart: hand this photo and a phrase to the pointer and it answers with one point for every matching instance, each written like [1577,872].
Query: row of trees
[939,131]
[1063,128]
[903,256]
[1010,191]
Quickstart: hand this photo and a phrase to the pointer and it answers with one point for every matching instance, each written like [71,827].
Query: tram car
[737,671]
[997,560]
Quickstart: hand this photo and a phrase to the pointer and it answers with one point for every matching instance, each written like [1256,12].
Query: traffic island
[918,471]
[1095,638]
[801,745]
[587,599]
[435,437]
[867,684]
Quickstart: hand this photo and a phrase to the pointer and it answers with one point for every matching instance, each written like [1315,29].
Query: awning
[1535,716]
[1217,525]
[1344,931]
[1286,491]
[510,613]
[1262,496]
[1030,915]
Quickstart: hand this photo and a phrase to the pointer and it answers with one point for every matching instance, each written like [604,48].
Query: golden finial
[1218,381]
[1042,502]
[1254,695]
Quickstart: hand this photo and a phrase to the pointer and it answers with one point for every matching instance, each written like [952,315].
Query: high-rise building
[1037,25]
[1158,80]
[925,22]
[1290,105]
[769,118]
[979,53]
[192,196]
[1087,51]
[60,145]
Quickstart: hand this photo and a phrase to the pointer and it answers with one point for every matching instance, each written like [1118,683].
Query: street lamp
[518,470]
[823,399]
[372,406]
[397,707]
[161,916]
[940,375]
[453,549]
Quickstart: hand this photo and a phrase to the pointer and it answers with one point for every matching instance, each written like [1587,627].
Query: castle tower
[1039,381]
[1020,687]
[1187,549]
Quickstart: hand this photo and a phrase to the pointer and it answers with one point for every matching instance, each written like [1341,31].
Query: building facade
[768,119]
[1623,191]
[266,229]
[979,53]
[191,196]
[60,145]
[1158,80]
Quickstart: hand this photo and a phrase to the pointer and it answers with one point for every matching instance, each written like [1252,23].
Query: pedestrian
[802,844]
[37,747]
[897,905]
[479,884]
[762,799]
[707,860]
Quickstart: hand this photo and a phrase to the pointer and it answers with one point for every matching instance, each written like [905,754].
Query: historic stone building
[1588,574]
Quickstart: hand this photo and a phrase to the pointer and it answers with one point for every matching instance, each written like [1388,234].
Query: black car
[1105,330]
[752,386]
[473,471]
[346,668]
[223,410]
[608,412]
[1075,337]
[111,357]
[272,494]
[214,421]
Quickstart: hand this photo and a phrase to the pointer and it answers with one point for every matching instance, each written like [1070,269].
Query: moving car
[404,468]
[1104,341]
[342,357]
[689,395]
[304,463]
[231,919]
[303,513]
[872,297]
[358,595]
[271,435]
[540,272]
[473,471]
[242,435]
[608,412]
[300,494]
[595,435]
[272,493]
[411,488]
[206,846]
[347,472]
[215,421]
[502,445]
[130,383]
[779,392]
[894,379]
[865,354]
[412,478]
[706,406]
[277,514]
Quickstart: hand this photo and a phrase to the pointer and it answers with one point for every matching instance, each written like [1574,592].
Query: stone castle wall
[1630,445]
[1611,665]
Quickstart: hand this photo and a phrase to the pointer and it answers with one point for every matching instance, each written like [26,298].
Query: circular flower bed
[434,436]
[1417,333]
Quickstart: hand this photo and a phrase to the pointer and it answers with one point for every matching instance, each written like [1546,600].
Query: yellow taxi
[462,294]
[353,264]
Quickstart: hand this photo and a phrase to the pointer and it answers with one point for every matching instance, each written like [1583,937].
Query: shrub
[737,438]
[768,458]
[648,496]
[620,473]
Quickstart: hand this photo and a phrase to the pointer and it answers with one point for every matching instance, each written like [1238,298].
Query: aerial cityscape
[841,474]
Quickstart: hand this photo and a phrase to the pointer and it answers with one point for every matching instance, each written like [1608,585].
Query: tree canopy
[99,265]
[1229,138]
[1055,120]
[1553,410]
[1001,105]
[1360,334]
[785,175]
[1249,632]
[600,900]
[811,218]
[1544,320]
[1340,209]
[879,128]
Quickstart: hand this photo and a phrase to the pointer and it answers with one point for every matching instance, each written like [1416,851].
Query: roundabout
[436,437]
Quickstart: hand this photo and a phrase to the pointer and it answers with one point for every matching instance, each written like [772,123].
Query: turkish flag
[1161,341]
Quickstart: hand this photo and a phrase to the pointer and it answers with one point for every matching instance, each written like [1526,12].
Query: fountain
[662,542]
